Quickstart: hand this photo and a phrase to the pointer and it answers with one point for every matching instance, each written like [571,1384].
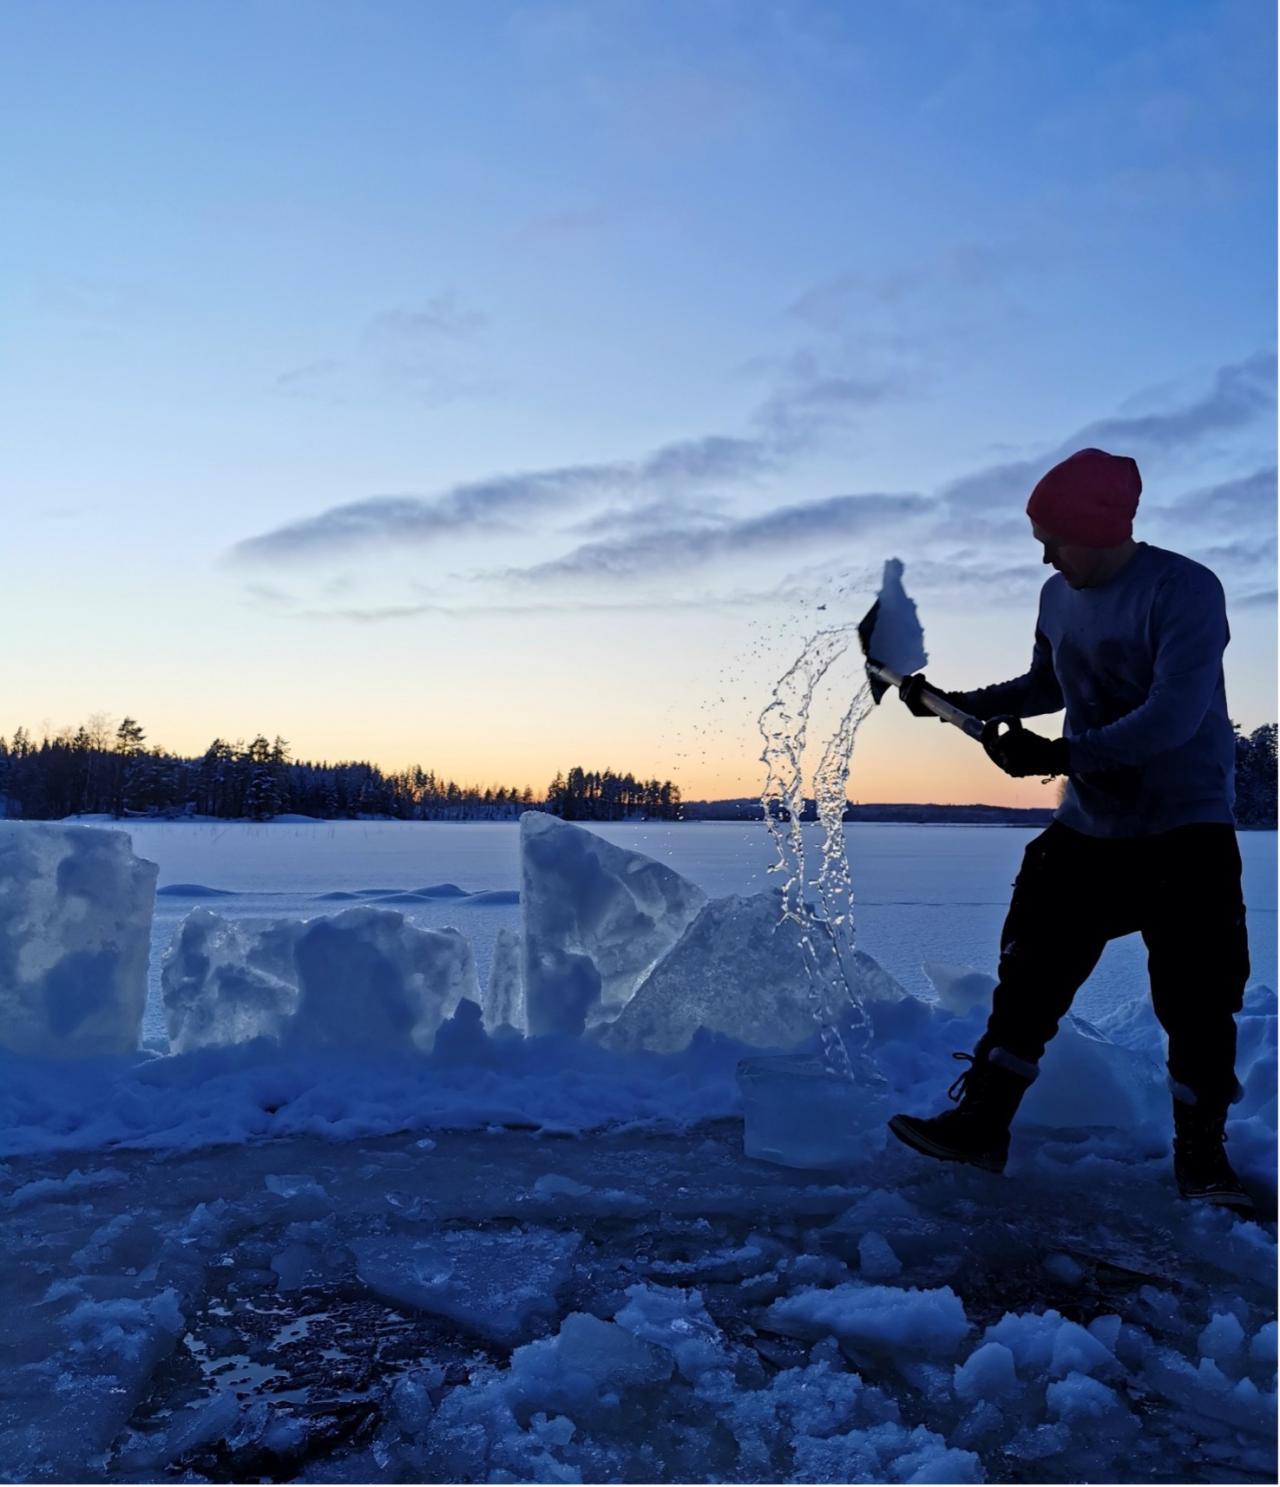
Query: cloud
[443,316]
[972,577]
[1247,503]
[264,593]
[1241,393]
[483,505]
[994,487]
[504,501]
[420,346]
[1248,552]
[837,518]
[1263,599]
[381,614]
[653,526]
[829,306]
[813,393]
[713,457]
[556,226]
[667,513]
[310,372]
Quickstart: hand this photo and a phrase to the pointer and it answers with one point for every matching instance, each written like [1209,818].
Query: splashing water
[827,937]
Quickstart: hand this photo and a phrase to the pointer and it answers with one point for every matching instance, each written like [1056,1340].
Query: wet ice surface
[307,1310]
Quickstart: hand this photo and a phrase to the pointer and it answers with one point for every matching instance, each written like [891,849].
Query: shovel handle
[939,706]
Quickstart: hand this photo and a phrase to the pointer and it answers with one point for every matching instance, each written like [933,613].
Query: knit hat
[1089,499]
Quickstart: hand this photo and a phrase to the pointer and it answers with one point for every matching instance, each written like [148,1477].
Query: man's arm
[1026,696]
[1189,621]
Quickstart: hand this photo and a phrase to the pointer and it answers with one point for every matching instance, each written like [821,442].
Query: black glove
[912,687]
[1019,752]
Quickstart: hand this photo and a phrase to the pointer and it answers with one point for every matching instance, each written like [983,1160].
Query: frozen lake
[924,893]
[548,1260]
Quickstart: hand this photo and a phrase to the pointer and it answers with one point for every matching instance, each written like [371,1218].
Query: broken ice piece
[493,1282]
[799,1113]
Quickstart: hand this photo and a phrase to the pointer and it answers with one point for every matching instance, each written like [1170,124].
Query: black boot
[1200,1162]
[989,1092]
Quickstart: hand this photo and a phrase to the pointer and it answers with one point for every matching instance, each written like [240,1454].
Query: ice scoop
[893,644]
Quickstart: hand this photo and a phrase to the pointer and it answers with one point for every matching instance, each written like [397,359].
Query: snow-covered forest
[95,770]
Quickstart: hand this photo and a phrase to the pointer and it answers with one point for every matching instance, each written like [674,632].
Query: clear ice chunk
[365,978]
[492,1281]
[798,1112]
[75,927]
[597,919]
[742,969]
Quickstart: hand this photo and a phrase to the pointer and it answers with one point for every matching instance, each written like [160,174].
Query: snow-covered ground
[341,1253]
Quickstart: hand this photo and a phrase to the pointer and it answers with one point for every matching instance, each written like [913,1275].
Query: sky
[507,386]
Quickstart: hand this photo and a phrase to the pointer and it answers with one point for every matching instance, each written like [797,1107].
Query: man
[1129,640]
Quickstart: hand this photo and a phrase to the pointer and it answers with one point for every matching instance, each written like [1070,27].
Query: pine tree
[129,773]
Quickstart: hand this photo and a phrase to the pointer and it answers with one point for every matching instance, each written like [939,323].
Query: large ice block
[365,978]
[75,927]
[1086,1077]
[742,969]
[225,982]
[799,1113]
[1087,1080]
[597,919]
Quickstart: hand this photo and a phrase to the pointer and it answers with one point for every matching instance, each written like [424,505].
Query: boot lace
[960,1085]
[1203,1151]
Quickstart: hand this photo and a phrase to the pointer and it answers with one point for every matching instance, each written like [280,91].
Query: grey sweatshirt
[1137,663]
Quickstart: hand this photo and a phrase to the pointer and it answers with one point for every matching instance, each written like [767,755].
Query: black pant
[1180,890]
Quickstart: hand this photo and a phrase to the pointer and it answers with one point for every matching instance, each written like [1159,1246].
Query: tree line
[100,770]
[1256,776]
[587,795]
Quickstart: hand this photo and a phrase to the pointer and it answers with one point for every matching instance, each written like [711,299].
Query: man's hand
[1020,753]
[912,687]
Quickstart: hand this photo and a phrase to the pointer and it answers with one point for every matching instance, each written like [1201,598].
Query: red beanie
[1088,499]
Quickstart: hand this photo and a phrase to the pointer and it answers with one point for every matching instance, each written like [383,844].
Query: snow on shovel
[893,643]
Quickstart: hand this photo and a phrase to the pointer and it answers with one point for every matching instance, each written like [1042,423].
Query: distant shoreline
[901,814]
[907,813]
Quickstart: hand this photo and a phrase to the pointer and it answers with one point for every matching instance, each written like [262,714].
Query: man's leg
[1063,912]
[1060,918]
[1198,959]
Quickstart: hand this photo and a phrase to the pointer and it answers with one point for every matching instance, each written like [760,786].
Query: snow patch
[898,638]
[909,1320]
